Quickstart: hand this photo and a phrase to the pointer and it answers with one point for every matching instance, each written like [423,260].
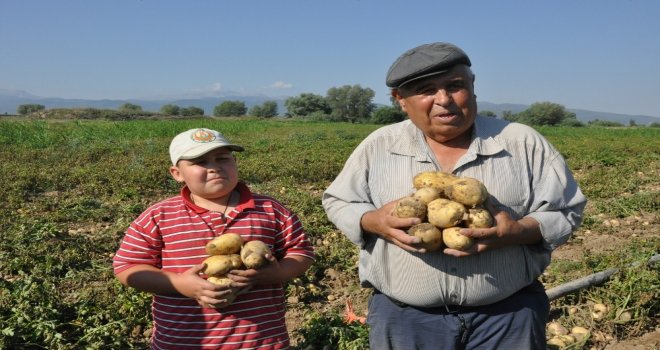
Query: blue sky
[601,55]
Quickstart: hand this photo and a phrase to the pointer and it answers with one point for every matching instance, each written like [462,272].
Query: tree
[266,110]
[604,123]
[350,103]
[387,115]
[129,107]
[488,113]
[230,108]
[29,108]
[306,104]
[191,111]
[170,109]
[510,116]
[545,113]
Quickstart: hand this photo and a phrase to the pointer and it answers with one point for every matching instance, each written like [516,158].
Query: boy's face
[210,176]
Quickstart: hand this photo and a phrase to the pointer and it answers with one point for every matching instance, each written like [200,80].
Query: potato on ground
[253,254]
[453,239]
[467,191]
[228,243]
[217,265]
[436,179]
[478,218]
[430,236]
[427,194]
[410,207]
[445,213]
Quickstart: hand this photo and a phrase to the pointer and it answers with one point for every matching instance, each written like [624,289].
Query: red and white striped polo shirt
[172,234]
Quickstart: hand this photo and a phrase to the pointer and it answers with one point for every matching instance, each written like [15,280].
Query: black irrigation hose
[588,281]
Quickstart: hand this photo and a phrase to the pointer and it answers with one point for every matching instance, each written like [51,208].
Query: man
[487,297]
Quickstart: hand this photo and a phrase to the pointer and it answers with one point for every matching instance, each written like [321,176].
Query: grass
[72,187]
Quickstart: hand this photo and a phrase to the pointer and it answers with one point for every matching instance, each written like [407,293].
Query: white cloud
[216,87]
[281,85]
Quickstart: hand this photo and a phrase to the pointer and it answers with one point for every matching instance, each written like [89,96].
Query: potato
[478,218]
[430,235]
[452,238]
[410,207]
[427,194]
[228,243]
[220,280]
[555,328]
[579,333]
[253,254]
[436,179]
[224,281]
[217,265]
[467,191]
[445,213]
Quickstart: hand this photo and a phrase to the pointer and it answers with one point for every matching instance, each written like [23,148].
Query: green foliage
[604,123]
[387,115]
[488,113]
[170,109]
[130,107]
[350,103]
[192,111]
[230,108]
[266,110]
[306,104]
[29,108]
[329,330]
[71,188]
[542,113]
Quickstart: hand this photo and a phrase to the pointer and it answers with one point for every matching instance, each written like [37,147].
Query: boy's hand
[269,274]
[207,294]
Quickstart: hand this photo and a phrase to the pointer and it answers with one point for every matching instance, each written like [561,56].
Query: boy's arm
[153,280]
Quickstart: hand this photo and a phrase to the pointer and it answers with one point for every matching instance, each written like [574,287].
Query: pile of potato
[229,252]
[445,203]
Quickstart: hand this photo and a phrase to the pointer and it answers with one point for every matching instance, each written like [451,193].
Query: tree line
[354,104]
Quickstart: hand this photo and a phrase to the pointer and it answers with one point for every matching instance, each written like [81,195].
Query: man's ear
[176,174]
[397,96]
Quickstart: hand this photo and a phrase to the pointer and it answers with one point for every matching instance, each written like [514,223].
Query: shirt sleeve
[141,245]
[292,239]
[348,197]
[558,201]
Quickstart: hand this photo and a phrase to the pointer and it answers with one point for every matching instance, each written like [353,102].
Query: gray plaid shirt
[520,169]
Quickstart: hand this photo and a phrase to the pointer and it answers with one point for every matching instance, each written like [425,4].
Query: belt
[444,309]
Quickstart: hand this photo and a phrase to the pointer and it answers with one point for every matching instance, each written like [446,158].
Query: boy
[163,250]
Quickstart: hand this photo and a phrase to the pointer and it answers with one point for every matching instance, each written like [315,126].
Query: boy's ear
[176,174]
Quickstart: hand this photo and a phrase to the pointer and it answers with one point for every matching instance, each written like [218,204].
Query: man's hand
[381,222]
[505,232]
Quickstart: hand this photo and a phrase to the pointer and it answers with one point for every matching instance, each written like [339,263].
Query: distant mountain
[11,99]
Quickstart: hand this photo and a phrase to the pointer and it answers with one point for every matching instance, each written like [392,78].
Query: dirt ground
[612,234]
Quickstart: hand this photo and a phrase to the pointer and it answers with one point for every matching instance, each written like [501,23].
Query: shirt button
[453,298]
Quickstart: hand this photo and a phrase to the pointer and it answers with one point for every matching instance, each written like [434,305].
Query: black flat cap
[423,61]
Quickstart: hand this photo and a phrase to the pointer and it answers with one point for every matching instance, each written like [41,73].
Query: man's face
[442,106]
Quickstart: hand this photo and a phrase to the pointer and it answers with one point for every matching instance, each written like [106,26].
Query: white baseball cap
[197,142]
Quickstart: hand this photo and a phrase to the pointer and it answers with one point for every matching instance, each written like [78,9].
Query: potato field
[71,188]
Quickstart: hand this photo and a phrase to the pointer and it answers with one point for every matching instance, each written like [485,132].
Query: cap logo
[202,136]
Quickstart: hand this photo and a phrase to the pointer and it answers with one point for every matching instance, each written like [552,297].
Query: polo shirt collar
[246,200]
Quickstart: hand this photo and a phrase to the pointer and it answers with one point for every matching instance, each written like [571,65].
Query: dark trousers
[517,322]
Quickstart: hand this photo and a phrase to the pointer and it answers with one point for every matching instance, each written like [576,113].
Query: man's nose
[442,97]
